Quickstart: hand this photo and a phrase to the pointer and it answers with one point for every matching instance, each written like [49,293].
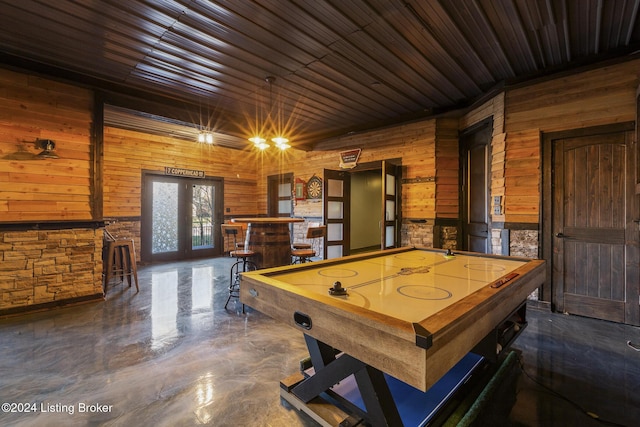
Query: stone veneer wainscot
[49,264]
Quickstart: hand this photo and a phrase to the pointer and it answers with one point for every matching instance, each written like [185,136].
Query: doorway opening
[361,208]
[181,218]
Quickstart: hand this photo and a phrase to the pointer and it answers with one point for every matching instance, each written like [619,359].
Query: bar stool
[303,255]
[119,260]
[231,231]
[243,263]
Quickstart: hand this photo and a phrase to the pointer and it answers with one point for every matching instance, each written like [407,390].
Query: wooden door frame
[547,290]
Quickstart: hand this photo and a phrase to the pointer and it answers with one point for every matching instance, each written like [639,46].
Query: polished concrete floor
[171,355]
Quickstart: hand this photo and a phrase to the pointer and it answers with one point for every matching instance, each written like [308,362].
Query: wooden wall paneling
[413,142]
[447,157]
[592,98]
[522,177]
[127,153]
[34,108]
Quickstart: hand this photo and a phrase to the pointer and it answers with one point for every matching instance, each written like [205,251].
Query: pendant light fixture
[280,141]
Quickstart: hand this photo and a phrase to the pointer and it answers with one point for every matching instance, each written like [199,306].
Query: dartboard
[314,187]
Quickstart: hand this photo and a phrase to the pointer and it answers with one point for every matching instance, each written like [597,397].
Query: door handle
[560,235]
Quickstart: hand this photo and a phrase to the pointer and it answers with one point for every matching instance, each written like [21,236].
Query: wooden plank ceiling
[340,66]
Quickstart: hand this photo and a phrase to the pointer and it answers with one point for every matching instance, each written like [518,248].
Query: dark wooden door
[475,188]
[595,238]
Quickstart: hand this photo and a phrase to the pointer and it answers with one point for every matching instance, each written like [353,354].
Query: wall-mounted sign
[168,170]
[349,158]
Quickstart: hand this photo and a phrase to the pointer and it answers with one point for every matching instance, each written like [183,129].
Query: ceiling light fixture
[205,136]
[280,141]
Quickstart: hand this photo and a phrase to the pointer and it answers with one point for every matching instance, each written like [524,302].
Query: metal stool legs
[242,264]
[120,262]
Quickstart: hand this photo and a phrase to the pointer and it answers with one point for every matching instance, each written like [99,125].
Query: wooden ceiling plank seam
[526,14]
[250,50]
[633,19]
[122,27]
[464,14]
[566,32]
[77,33]
[326,80]
[551,34]
[369,65]
[294,23]
[242,65]
[167,78]
[258,37]
[395,79]
[344,41]
[359,73]
[445,51]
[494,37]
[598,28]
[456,41]
[369,42]
[537,58]
[415,43]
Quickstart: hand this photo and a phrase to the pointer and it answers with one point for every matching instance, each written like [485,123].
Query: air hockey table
[386,327]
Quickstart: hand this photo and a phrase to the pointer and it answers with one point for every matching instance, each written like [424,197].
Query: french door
[337,213]
[181,218]
[389,232]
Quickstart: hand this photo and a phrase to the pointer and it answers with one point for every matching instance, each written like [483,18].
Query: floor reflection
[202,295]
[164,307]
[171,355]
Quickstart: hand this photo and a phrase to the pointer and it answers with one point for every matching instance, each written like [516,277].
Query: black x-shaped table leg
[380,407]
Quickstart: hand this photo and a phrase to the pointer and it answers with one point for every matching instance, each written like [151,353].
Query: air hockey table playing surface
[412,313]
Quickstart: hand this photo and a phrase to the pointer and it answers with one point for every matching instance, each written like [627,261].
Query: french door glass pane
[335,210]
[390,210]
[390,232]
[334,251]
[334,232]
[335,188]
[391,185]
[164,217]
[202,216]
[284,206]
[284,190]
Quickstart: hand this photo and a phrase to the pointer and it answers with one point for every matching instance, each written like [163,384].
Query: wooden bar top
[270,220]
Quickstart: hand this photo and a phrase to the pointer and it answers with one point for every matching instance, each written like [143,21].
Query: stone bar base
[48,264]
